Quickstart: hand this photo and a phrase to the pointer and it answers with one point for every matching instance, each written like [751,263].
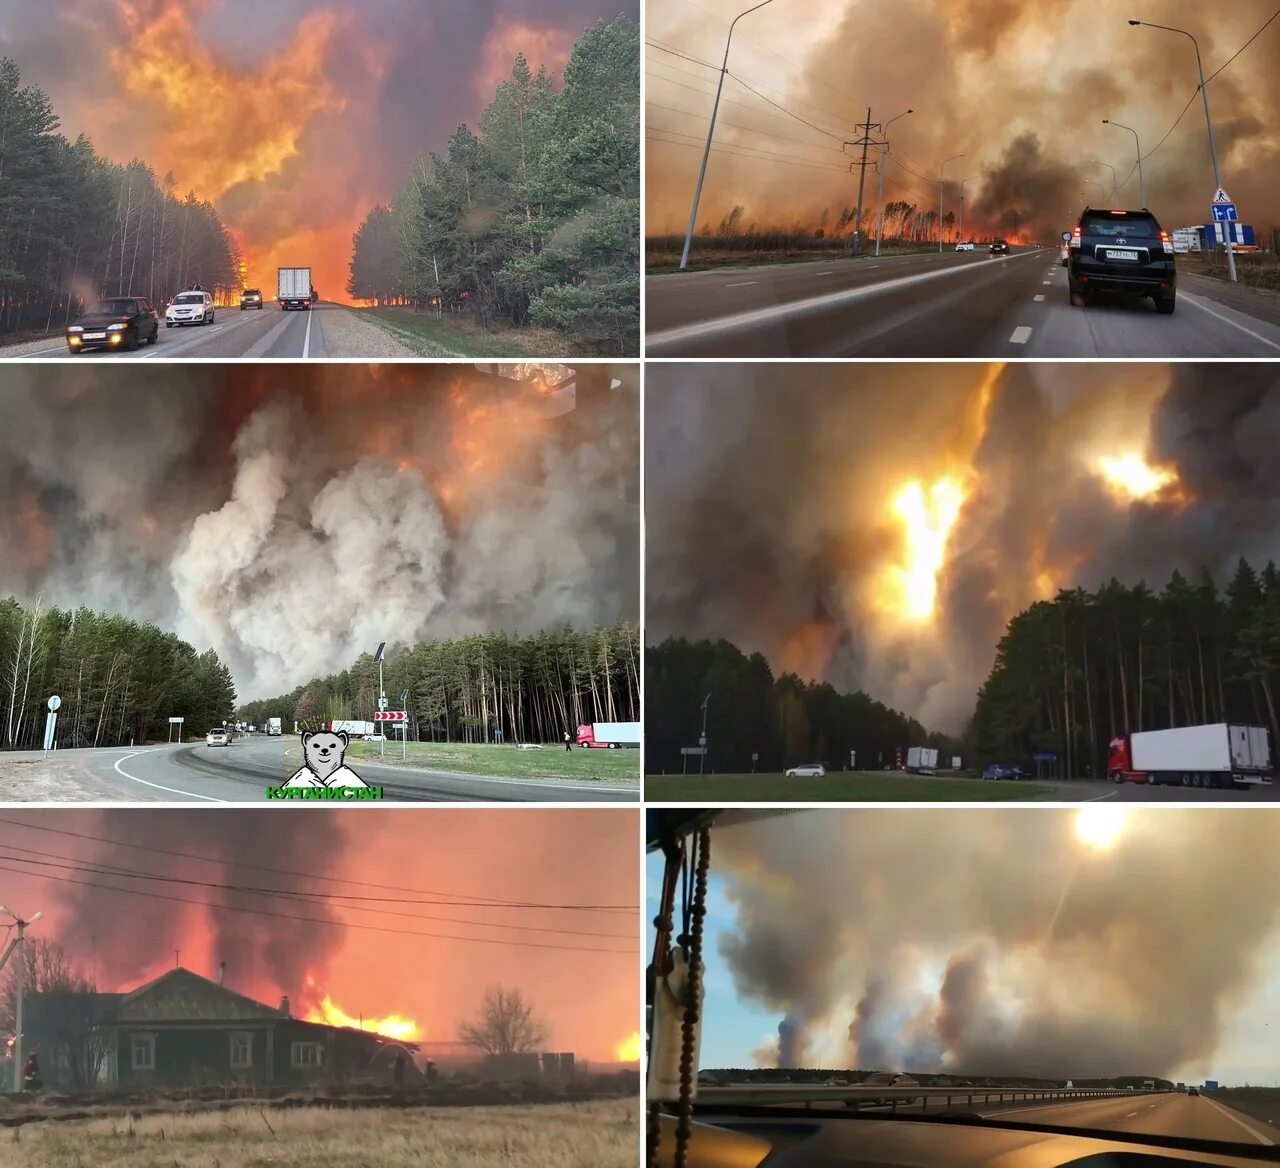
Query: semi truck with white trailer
[922,758]
[293,287]
[1221,754]
[356,729]
[608,735]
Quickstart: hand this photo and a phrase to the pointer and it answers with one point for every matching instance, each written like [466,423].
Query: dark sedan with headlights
[120,322]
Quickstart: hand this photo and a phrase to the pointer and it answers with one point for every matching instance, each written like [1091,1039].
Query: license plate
[95,336]
[1115,254]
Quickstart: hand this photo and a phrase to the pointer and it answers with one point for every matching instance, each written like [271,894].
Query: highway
[255,333]
[242,771]
[966,304]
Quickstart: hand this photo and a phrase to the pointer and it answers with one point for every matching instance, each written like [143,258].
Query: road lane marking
[1047,283]
[779,312]
[306,341]
[828,272]
[1198,303]
[1021,335]
[1099,798]
[1039,299]
[744,284]
[1257,1135]
[158,787]
[1131,1115]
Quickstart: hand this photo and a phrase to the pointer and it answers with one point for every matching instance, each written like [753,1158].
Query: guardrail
[805,1095]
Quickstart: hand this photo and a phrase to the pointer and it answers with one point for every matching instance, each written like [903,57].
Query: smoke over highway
[292,518]
[294,117]
[1018,942]
[1020,90]
[878,527]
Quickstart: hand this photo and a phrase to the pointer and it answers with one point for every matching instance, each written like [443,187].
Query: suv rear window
[1126,223]
[251,292]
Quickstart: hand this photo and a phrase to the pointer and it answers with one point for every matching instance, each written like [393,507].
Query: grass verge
[660,262]
[459,337]
[508,762]
[1260,1103]
[854,787]
[581,1135]
[1253,269]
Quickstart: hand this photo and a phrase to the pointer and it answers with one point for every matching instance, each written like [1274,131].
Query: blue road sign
[1045,756]
[1223,212]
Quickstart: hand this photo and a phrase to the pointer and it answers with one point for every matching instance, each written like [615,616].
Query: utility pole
[18,945]
[866,142]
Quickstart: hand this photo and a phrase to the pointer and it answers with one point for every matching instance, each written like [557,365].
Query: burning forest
[290,518]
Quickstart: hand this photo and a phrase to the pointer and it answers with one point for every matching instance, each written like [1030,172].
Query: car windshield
[252,292]
[1112,225]
[1027,966]
[114,307]
[189,298]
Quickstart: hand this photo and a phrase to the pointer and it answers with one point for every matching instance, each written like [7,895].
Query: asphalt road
[242,771]
[1098,790]
[256,333]
[966,304]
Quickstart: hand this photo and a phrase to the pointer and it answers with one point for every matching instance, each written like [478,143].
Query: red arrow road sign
[390,716]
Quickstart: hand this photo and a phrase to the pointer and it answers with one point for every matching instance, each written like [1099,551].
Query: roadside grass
[453,336]
[1260,1103]
[577,1135]
[1254,269]
[662,253]
[507,762]
[855,786]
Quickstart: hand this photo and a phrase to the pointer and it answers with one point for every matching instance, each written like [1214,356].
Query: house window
[241,1052]
[307,1054]
[144,1052]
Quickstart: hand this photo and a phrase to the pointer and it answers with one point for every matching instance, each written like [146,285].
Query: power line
[739,126]
[784,109]
[1242,48]
[262,912]
[758,156]
[479,902]
[752,109]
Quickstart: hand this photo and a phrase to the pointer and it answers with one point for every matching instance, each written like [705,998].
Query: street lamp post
[711,129]
[1208,121]
[1114,179]
[880,172]
[960,229]
[18,945]
[1142,186]
[941,169]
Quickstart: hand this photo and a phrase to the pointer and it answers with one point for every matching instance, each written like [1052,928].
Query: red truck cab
[1120,766]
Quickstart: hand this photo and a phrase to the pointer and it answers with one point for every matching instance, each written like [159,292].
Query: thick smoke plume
[770,517]
[310,113]
[1020,90]
[292,518]
[1010,946]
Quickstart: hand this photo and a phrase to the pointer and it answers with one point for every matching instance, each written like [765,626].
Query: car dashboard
[756,1139]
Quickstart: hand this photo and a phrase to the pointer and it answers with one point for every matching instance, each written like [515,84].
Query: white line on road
[1131,1115]
[1021,335]
[744,284]
[158,787]
[306,341]
[776,313]
[1200,304]
[828,272]
[1047,283]
[1257,1135]
[1039,299]
[1099,798]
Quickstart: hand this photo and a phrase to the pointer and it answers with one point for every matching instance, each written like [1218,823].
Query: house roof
[182,996]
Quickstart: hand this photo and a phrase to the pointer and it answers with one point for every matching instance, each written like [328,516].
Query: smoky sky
[1008,947]
[310,113]
[769,492]
[1019,90]
[291,518]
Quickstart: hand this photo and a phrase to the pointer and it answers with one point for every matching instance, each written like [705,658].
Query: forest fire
[628,1050]
[927,515]
[390,1026]
[1132,476]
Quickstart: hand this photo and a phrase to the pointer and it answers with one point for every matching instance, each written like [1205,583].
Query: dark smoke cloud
[1012,948]
[769,490]
[292,518]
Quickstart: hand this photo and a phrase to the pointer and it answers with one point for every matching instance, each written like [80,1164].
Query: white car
[807,770]
[217,737]
[968,246]
[374,738]
[189,308]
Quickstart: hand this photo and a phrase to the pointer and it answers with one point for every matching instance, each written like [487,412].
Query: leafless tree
[506,1024]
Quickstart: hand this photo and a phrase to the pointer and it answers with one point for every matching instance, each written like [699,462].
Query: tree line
[486,687]
[119,680]
[535,219]
[75,227]
[783,720]
[1073,672]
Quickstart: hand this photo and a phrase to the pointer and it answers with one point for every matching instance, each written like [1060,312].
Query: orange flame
[628,1049]
[390,1026]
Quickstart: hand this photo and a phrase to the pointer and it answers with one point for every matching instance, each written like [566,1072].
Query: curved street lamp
[1142,186]
[941,169]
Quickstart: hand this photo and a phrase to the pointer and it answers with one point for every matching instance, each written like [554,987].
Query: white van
[189,308]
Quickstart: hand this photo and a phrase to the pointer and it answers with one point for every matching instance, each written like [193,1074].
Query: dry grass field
[571,1135]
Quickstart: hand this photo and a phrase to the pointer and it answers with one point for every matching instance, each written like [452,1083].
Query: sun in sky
[1100,828]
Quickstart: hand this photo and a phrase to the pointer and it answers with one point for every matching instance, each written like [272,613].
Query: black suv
[250,298]
[1121,251]
[1000,247]
[120,322]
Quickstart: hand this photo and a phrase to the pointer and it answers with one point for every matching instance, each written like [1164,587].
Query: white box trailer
[608,735]
[293,287]
[1220,754]
[921,758]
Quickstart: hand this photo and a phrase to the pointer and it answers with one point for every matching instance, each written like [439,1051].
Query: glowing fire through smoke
[927,516]
[1132,476]
[392,1026]
[628,1050]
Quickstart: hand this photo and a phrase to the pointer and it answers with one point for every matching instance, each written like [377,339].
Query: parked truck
[273,726]
[610,735]
[353,728]
[293,287]
[1217,755]
[922,758]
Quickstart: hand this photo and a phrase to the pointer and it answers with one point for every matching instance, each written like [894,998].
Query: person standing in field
[567,744]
